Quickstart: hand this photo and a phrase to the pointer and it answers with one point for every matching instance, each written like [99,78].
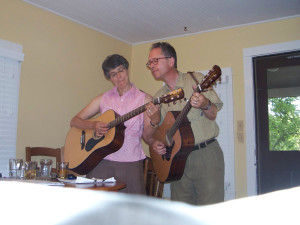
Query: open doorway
[250,125]
[277,120]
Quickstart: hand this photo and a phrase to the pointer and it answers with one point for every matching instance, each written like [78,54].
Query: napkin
[84,180]
[93,180]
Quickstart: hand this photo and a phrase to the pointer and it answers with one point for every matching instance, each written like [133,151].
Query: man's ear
[172,62]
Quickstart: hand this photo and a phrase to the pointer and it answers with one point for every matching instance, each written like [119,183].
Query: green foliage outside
[284,124]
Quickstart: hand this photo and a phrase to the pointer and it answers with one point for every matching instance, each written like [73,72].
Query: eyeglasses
[114,74]
[155,61]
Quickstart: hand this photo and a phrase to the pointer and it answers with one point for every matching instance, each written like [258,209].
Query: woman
[126,164]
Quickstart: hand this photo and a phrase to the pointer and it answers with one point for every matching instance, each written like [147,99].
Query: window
[11,57]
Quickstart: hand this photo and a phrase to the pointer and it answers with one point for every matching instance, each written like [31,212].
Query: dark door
[277,105]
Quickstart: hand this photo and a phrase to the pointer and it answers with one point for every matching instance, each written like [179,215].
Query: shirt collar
[179,84]
[131,91]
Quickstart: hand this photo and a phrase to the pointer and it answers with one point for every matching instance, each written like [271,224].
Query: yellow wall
[61,71]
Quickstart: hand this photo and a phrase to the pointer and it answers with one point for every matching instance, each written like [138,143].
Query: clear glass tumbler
[62,169]
[15,166]
[30,170]
[46,166]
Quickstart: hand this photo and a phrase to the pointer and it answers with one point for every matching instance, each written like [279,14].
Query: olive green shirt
[203,128]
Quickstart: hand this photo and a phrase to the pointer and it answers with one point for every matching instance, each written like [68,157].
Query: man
[203,178]
[126,164]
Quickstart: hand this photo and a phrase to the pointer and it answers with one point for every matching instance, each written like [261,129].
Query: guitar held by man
[177,136]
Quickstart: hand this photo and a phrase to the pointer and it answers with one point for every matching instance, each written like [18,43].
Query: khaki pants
[203,180]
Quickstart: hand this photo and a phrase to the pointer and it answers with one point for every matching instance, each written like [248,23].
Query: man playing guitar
[202,181]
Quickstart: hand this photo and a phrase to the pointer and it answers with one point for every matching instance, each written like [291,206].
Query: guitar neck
[131,114]
[171,132]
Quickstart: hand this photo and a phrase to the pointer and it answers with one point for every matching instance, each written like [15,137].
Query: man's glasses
[114,74]
[155,61]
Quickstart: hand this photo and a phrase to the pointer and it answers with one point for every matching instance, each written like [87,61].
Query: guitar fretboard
[171,132]
[131,114]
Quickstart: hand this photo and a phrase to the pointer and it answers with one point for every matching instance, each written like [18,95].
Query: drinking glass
[15,166]
[62,168]
[30,170]
[46,166]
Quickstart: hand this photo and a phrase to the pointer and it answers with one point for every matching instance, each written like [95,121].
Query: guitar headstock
[211,78]
[172,96]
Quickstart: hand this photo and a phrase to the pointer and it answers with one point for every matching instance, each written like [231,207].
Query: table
[115,186]
[105,186]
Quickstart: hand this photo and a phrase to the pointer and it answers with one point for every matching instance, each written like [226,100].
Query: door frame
[248,55]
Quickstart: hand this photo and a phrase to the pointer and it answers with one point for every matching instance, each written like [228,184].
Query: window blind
[10,64]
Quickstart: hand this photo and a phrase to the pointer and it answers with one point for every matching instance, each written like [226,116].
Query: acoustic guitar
[84,151]
[177,135]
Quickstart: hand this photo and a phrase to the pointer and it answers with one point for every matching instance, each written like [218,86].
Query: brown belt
[203,144]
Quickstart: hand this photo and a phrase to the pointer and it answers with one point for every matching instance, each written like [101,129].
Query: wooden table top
[113,186]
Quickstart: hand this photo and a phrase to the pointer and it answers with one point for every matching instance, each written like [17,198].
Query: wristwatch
[208,105]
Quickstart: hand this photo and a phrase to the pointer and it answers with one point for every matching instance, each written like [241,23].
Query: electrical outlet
[240,137]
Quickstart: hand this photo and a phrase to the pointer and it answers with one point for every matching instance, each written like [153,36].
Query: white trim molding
[11,50]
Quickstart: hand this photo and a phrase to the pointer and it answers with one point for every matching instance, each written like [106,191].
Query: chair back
[153,186]
[44,151]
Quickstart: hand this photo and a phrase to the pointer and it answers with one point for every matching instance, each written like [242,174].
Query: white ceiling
[138,21]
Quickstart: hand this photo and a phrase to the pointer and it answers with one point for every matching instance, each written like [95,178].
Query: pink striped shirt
[132,148]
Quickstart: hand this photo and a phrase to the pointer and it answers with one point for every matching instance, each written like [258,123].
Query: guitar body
[172,169]
[82,161]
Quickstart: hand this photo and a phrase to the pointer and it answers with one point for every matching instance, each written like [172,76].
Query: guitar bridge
[82,139]
[168,154]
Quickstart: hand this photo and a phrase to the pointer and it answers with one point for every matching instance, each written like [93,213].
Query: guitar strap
[197,82]
[194,78]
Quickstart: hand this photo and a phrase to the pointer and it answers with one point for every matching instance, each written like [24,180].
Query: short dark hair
[167,49]
[113,61]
